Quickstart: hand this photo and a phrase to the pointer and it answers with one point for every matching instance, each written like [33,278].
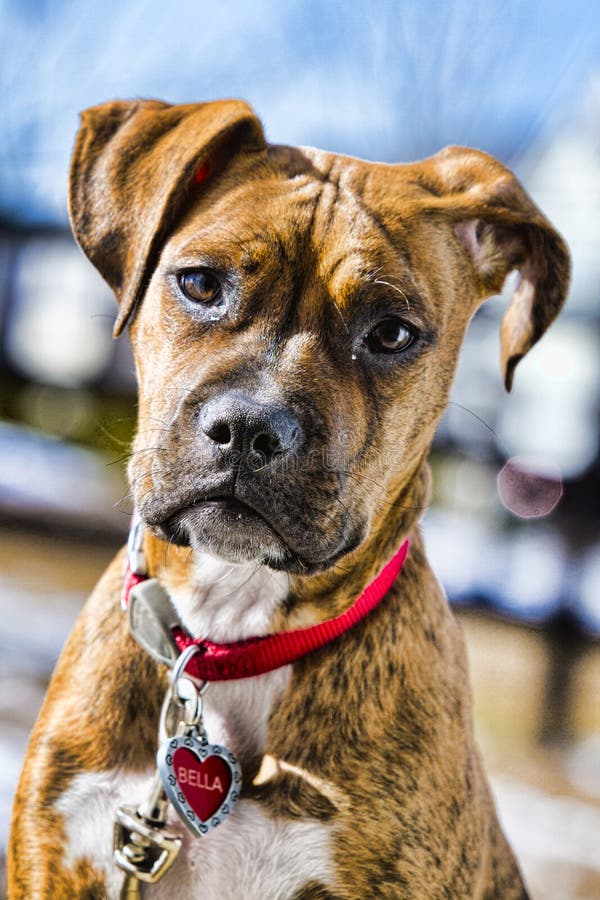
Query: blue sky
[392,80]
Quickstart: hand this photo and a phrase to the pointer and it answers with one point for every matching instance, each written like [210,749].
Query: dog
[296,318]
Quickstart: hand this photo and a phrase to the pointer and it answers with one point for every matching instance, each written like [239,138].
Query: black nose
[262,432]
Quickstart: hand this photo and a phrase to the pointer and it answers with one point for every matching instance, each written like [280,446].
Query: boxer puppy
[296,318]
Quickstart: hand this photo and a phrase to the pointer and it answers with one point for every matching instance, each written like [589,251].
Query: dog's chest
[253,855]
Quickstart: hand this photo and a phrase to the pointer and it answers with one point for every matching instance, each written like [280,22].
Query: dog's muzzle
[248,479]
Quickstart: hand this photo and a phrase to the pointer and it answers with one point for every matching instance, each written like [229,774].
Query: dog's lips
[228,507]
[240,528]
[221,520]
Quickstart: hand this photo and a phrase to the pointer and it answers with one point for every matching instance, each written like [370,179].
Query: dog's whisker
[394,287]
[148,418]
[475,416]
[119,459]
[116,441]
[142,452]
[143,475]
[339,312]
[392,503]
[216,581]
[127,496]
[171,541]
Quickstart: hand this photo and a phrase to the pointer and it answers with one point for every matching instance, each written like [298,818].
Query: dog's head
[296,316]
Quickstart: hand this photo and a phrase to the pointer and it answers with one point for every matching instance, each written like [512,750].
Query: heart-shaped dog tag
[202,781]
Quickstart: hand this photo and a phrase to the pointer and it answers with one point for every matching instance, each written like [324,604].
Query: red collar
[257,655]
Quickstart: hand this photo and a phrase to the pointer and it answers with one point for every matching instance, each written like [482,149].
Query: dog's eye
[390,336]
[201,286]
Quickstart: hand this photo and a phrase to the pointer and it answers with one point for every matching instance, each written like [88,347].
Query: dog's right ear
[135,166]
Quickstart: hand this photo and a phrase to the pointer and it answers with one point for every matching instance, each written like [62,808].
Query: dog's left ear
[135,166]
[502,229]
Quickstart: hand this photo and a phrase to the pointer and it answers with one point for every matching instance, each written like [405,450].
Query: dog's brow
[335,266]
[384,291]
[254,250]
[260,249]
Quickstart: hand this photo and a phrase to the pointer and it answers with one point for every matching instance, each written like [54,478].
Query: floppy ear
[135,166]
[502,229]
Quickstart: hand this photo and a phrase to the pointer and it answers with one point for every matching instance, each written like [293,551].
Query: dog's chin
[237,534]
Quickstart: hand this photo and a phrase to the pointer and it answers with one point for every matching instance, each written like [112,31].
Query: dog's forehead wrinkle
[354,249]
[294,160]
[320,207]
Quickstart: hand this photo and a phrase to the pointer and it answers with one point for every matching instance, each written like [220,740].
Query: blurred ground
[548,794]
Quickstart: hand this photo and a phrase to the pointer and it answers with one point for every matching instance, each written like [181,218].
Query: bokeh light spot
[528,492]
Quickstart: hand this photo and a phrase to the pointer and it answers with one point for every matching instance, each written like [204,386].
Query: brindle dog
[296,318]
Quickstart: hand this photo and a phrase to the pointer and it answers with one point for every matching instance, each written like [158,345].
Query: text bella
[199,779]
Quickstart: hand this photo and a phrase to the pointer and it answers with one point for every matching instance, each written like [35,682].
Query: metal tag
[152,617]
[203,781]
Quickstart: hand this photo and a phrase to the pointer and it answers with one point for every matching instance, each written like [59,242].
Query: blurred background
[514,530]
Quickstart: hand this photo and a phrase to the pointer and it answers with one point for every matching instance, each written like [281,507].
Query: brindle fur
[381,719]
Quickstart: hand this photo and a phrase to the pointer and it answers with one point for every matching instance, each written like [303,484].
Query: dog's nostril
[258,432]
[220,433]
[266,445]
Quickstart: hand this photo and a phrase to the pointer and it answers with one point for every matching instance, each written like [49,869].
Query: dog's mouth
[228,527]
[238,532]
[221,511]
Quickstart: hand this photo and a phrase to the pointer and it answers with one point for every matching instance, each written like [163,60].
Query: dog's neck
[222,601]
[226,602]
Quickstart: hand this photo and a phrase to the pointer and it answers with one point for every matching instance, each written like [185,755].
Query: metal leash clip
[142,847]
[202,780]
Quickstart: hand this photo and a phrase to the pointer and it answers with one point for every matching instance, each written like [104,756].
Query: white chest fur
[227,603]
[251,856]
